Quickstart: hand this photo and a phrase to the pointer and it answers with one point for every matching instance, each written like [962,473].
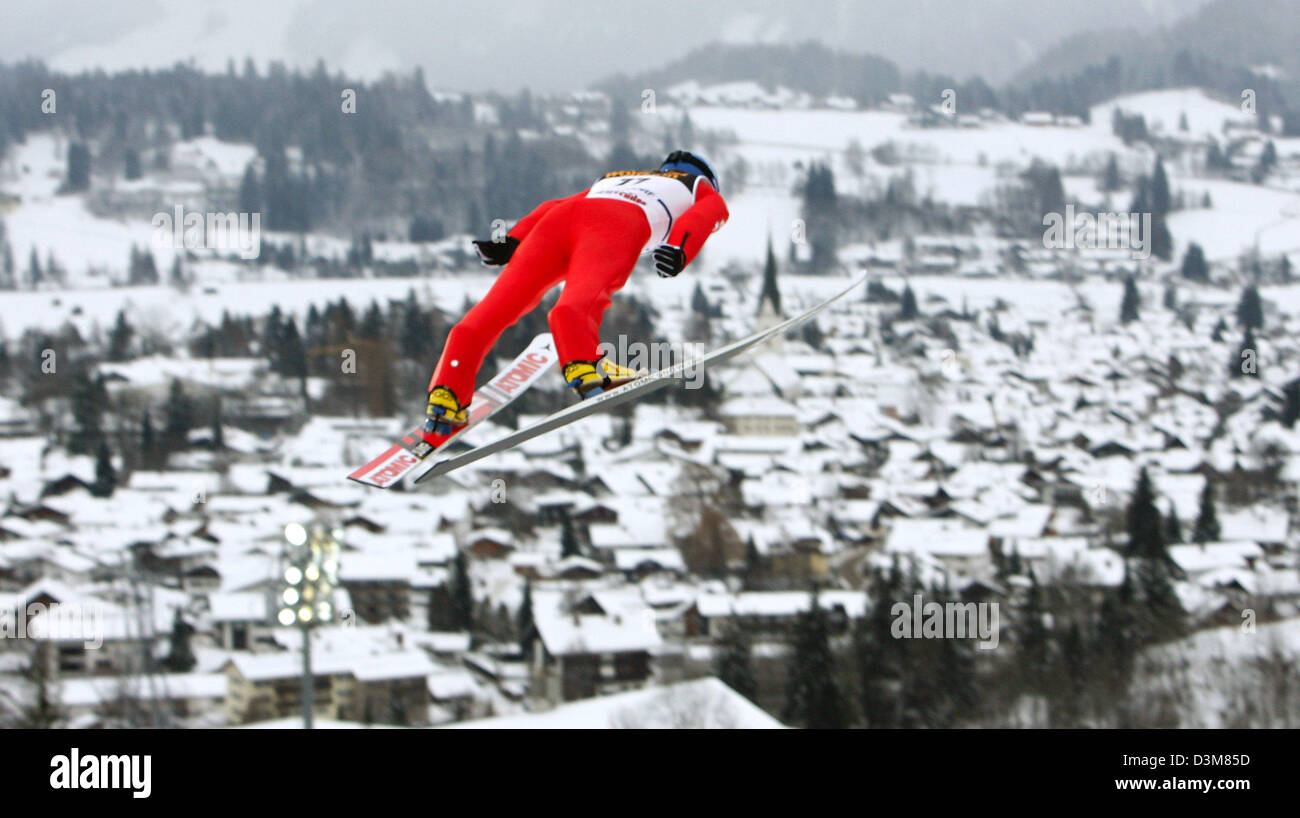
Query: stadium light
[309,573]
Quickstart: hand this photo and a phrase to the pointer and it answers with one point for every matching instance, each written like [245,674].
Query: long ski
[408,453]
[622,394]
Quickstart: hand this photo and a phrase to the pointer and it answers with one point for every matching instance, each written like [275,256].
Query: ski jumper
[589,241]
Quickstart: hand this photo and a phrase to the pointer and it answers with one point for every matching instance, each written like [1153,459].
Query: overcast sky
[547,45]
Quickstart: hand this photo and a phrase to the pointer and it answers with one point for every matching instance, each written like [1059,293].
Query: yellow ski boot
[444,412]
[589,378]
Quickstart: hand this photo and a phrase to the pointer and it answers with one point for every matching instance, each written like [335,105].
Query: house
[490,543]
[768,613]
[82,635]
[388,687]
[770,417]
[584,645]
[638,563]
[379,583]
[238,619]
[962,549]
[95,701]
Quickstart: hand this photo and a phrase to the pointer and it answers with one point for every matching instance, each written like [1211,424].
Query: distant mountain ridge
[1227,31]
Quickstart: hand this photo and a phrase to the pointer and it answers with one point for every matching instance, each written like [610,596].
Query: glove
[670,260]
[496,253]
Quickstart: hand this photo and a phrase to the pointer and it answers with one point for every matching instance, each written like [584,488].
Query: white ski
[404,456]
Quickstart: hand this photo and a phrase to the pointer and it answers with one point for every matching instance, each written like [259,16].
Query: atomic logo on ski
[405,455]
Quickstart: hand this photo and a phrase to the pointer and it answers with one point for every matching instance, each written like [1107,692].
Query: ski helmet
[687,162]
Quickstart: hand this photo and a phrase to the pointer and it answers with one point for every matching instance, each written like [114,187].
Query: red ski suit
[590,241]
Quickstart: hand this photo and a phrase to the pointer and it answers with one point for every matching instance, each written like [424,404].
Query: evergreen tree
[293,356]
[1110,180]
[250,192]
[78,178]
[908,310]
[754,566]
[179,418]
[1128,309]
[1171,297]
[1162,241]
[180,656]
[569,546]
[1159,609]
[9,273]
[462,595]
[218,434]
[1207,519]
[1215,158]
[1291,404]
[699,302]
[1173,527]
[1073,671]
[372,323]
[34,274]
[524,622]
[812,335]
[148,443]
[821,215]
[734,665]
[89,400]
[176,277]
[119,338]
[1195,267]
[1034,654]
[132,162]
[1250,310]
[1145,538]
[416,339]
[1117,639]
[105,474]
[813,696]
[1159,190]
[44,711]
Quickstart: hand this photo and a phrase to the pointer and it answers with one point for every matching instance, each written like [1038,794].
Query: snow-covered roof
[628,624]
[936,537]
[628,559]
[702,703]
[777,603]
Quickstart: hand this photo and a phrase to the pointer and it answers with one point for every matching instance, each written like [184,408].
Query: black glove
[670,260]
[496,253]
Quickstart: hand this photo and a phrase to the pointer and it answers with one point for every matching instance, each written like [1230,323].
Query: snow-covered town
[1089,432]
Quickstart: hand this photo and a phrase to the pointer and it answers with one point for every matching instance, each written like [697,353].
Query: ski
[622,394]
[404,456]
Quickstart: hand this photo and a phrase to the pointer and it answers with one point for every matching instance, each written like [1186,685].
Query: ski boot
[445,414]
[590,378]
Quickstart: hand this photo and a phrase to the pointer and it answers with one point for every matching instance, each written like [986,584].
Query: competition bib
[662,196]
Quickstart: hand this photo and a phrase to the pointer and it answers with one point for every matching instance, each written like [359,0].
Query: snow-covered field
[958,166]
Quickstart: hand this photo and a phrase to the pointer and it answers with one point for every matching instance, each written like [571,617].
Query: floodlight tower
[310,573]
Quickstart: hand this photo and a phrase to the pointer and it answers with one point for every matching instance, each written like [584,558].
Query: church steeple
[769,300]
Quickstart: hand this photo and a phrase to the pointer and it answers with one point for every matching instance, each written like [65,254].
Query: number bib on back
[662,195]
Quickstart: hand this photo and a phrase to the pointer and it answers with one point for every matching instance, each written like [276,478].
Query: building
[388,688]
[589,644]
